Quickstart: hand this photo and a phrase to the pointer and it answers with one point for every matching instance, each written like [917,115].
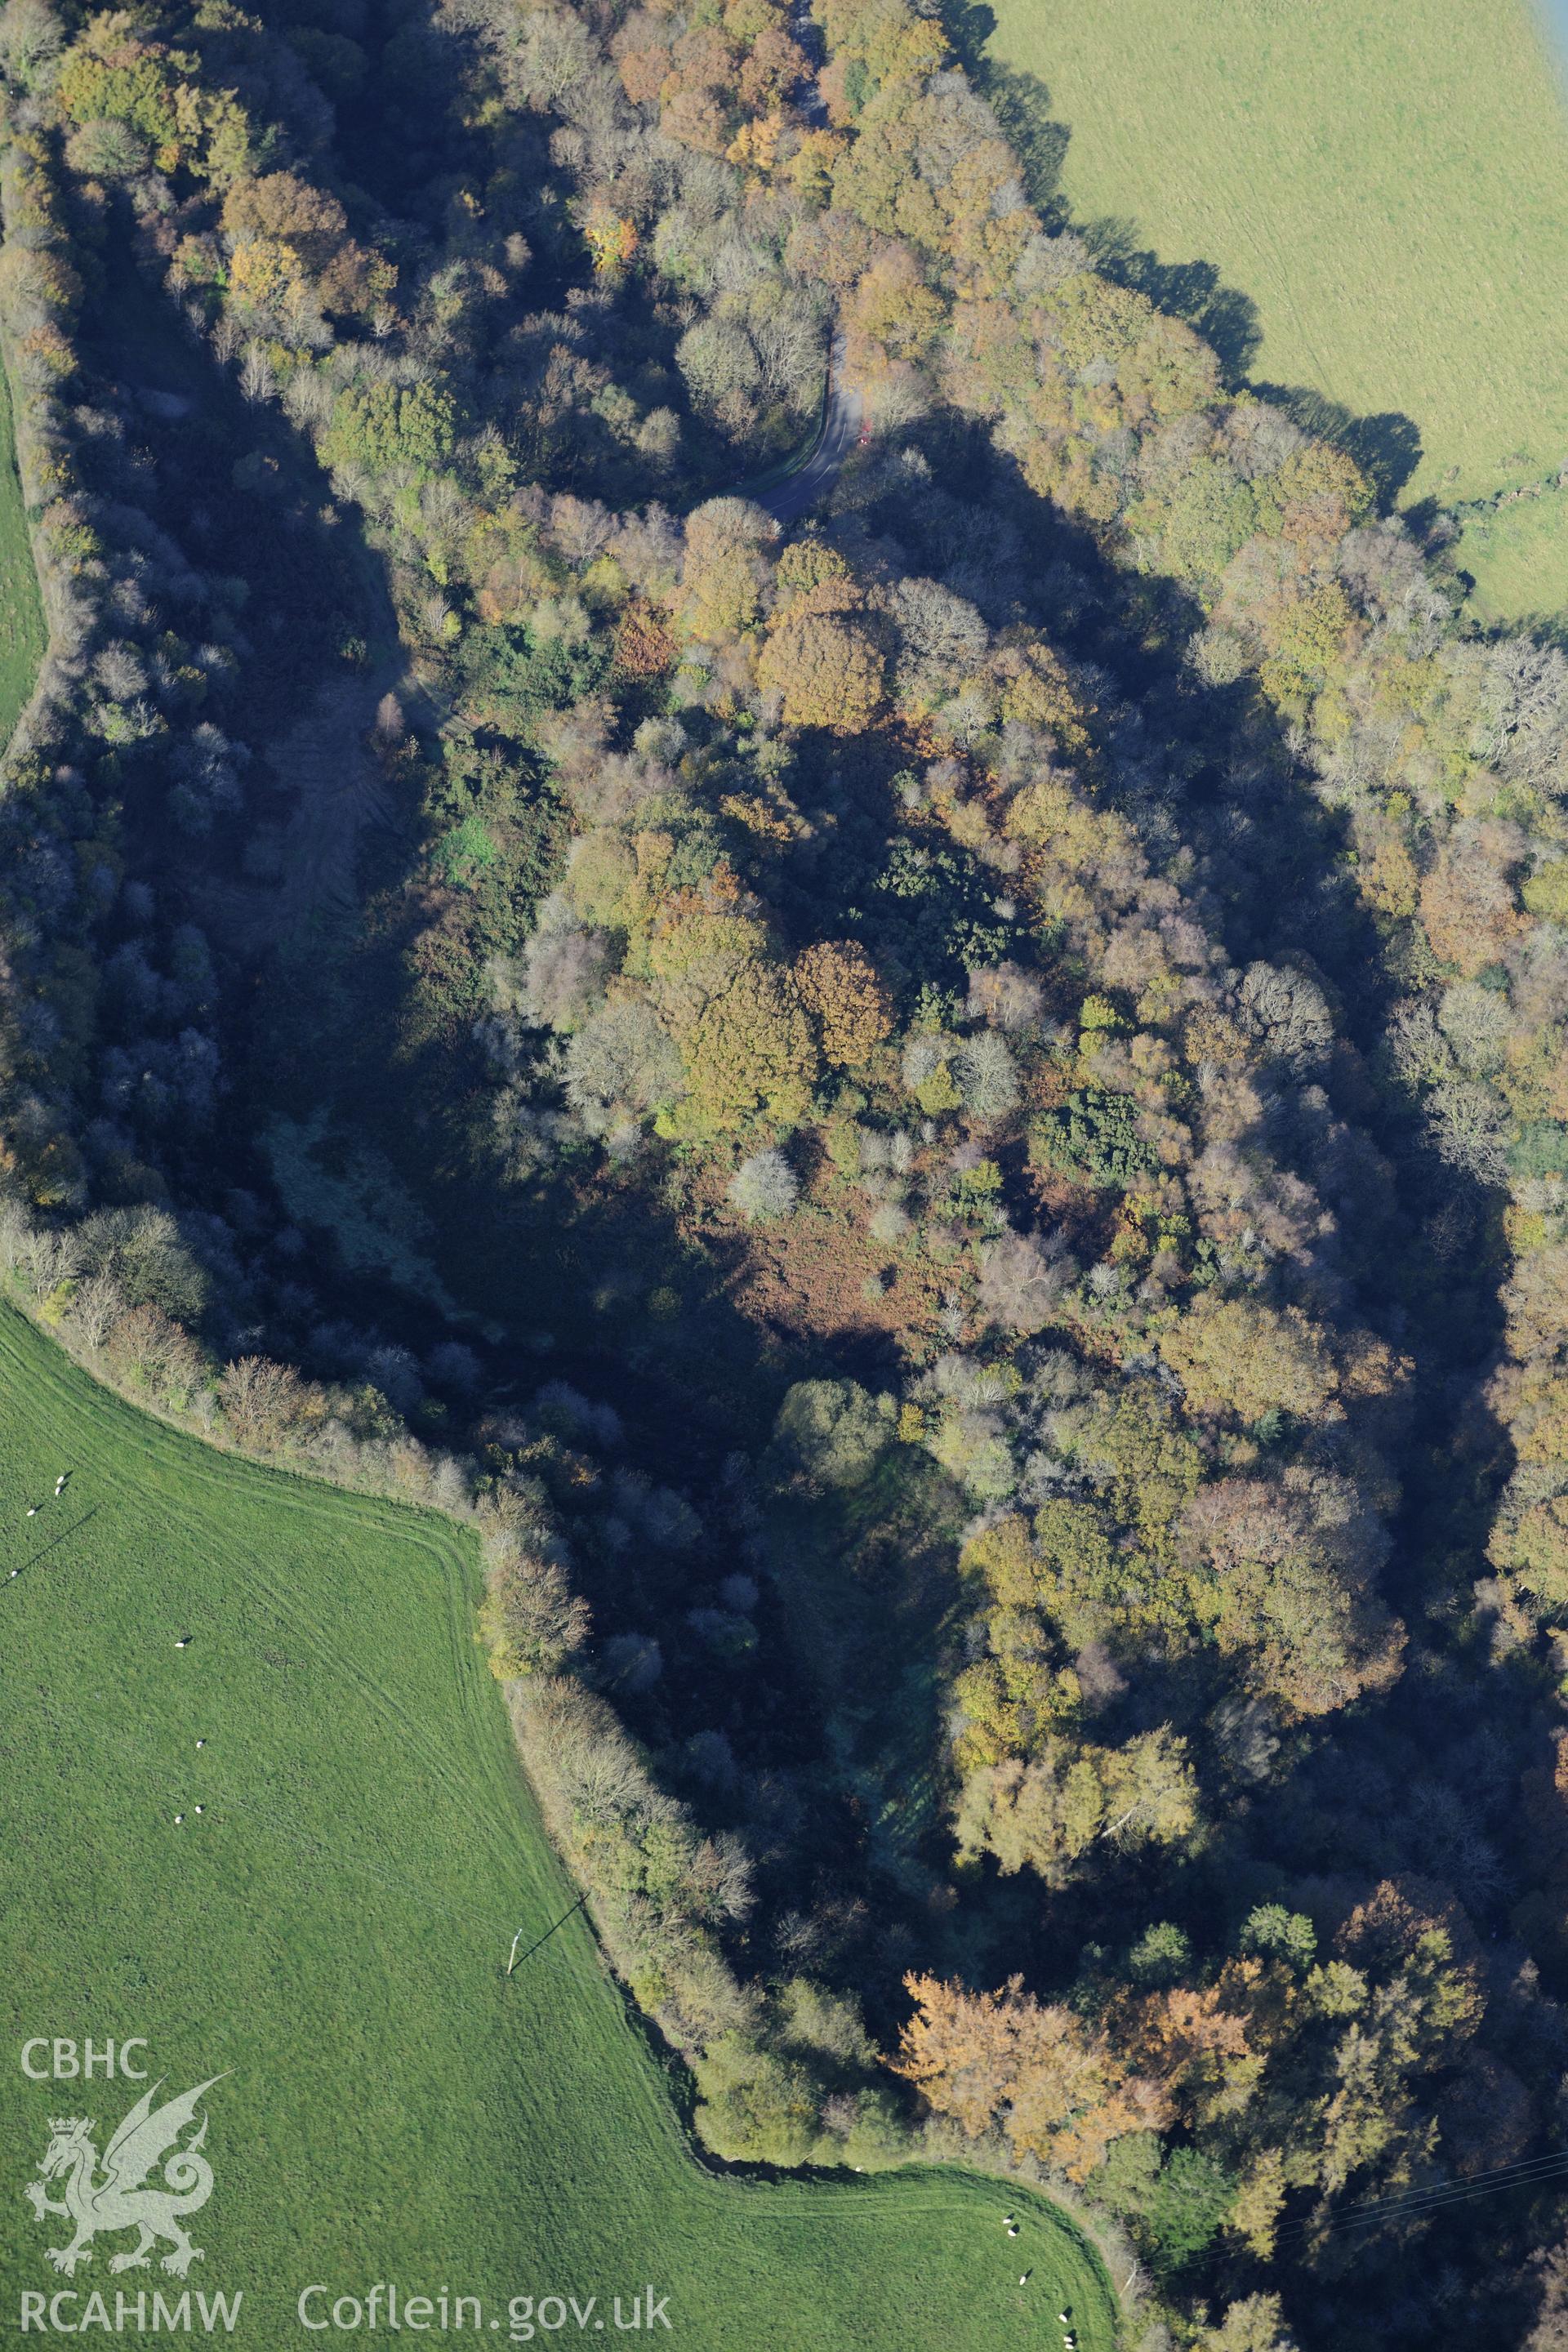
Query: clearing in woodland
[1380,193]
[330,1932]
[21,612]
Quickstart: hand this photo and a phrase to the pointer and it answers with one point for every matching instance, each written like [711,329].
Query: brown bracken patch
[819,1272]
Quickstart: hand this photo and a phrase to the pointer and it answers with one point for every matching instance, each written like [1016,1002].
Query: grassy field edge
[89,1413]
[1359,205]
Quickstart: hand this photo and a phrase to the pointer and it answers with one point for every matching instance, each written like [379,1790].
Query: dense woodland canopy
[949,1123]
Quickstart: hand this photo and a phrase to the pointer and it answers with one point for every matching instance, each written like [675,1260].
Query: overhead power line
[1414,2202]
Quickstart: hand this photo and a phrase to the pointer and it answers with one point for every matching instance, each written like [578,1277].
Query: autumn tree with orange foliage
[289,238]
[839,986]
[823,663]
[1004,2061]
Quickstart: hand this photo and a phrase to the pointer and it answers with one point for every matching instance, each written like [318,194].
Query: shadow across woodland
[1216,770]
[567,1271]
[579,1253]
[559,1274]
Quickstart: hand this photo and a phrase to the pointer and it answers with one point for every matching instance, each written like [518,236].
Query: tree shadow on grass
[1223,315]
[1021,104]
[1546,628]
[1387,446]
[1021,100]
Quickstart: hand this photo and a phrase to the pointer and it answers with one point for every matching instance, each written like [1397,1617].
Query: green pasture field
[1517,556]
[21,614]
[1385,185]
[329,1934]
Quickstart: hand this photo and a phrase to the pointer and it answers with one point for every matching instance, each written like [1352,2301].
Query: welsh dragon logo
[117,2199]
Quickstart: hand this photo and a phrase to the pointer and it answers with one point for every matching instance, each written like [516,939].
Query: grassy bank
[333,1928]
[1382,184]
[21,612]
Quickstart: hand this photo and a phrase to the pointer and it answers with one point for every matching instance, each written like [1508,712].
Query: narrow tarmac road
[842,418]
